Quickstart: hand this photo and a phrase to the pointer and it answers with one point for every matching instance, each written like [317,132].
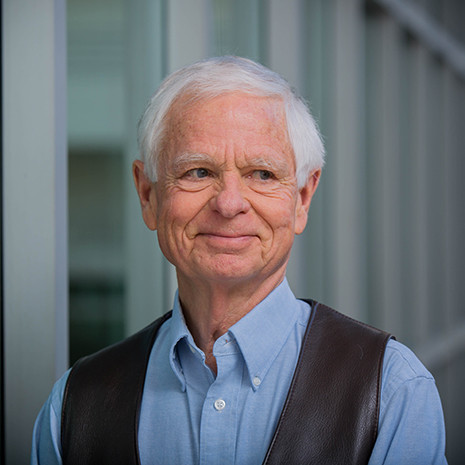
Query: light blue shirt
[189,416]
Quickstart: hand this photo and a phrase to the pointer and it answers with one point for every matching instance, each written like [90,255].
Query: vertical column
[384,173]
[190,32]
[344,182]
[418,221]
[452,384]
[314,77]
[284,49]
[34,212]
[240,28]
[146,268]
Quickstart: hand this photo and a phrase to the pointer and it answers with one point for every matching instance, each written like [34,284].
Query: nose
[229,201]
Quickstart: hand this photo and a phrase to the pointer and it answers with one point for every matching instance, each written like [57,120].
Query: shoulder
[402,371]
[411,421]
[46,443]
[52,407]
[398,355]
[57,393]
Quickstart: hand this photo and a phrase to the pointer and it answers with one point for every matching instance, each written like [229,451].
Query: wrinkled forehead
[192,110]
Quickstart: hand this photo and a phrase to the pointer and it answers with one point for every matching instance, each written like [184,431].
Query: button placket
[219,413]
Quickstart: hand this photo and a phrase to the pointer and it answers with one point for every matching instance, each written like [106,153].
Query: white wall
[34,212]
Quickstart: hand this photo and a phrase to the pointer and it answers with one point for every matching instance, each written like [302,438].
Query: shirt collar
[179,332]
[260,335]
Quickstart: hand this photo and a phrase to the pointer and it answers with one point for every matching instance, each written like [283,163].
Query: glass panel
[239,27]
[96,137]
[96,262]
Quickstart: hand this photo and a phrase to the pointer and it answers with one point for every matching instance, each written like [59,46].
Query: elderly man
[240,372]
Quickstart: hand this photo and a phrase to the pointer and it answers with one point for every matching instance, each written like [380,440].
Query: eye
[198,173]
[263,175]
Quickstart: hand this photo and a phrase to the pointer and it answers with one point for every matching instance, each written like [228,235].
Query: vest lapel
[331,412]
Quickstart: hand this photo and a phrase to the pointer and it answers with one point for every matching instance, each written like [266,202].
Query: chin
[229,268]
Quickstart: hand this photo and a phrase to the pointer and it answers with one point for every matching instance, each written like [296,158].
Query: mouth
[227,241]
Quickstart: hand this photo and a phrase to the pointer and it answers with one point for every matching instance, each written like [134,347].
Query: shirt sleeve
[411,424]
[46,441]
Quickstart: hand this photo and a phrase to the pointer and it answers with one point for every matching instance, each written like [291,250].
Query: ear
[147,197]
[304,198]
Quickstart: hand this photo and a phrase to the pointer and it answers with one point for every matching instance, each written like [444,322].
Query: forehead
[239,117]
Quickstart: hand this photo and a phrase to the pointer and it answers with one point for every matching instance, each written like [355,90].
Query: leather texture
[330,415]
[331,412]
[101,403]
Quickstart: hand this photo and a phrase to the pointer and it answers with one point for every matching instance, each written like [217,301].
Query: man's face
[226,204]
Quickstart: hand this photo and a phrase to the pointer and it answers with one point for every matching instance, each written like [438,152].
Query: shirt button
[256,381]
[219,404]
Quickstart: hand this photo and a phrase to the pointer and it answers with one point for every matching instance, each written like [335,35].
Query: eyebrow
[183,159]
[186,158]
[272,165]
[275,165]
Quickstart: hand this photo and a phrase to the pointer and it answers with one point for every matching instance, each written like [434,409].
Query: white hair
[212,77]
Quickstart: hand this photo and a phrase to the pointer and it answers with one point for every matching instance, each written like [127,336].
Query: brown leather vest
[330,415]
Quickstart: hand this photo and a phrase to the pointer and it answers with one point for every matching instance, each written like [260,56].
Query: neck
[210,309]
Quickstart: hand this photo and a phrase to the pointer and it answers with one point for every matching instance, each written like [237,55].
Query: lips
[226,235]
[227,240]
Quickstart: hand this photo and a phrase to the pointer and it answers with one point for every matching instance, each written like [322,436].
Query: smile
[225,241]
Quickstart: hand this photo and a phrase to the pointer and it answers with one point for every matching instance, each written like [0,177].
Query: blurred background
[385,80]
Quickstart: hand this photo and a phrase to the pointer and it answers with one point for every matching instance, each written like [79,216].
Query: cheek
[177,212]
[280,224]
[279,213]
